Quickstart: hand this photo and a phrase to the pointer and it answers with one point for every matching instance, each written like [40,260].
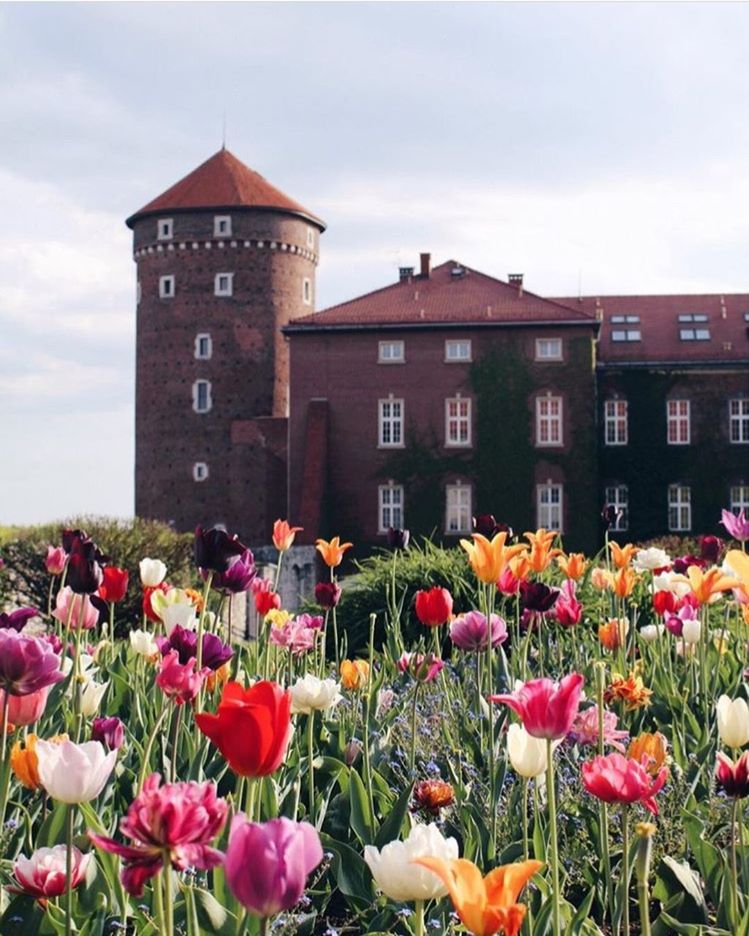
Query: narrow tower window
[166,287]
[222,226]
[165,229]
[203,347]
[223,285]
[199,471]
[307,290]
[201,396]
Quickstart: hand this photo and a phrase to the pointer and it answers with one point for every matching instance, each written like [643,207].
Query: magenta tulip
[737,525]
[619,779]
[178,680]
[547,709]
[468,631]
[267,864]
[568,609]
[55,560]
[27,664]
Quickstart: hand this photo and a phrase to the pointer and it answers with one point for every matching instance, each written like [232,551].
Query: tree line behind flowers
[561,747]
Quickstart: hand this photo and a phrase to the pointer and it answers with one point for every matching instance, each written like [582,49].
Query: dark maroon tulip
[710,548]
[733,777]
[681,564]
[108,731]
[69,537]
[185,642]
[215,550]
[537,597]
[84,572]
[398,539]
[610,516]
[16,620]
[327,595]
[486,525]
[238,577]
[27,664]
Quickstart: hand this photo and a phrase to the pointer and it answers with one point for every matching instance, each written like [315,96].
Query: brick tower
[224,260]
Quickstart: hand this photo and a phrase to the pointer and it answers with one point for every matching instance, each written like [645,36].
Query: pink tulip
[736,524]
[267,864]
[468,631]
[508,583]
[55,560]
[295,635]
[422,668]
[568,609]
[43,874]
[584,730]
[170,825]
[619,779]
[26,709]
[732,777]
[75,610]
[180,681]
[27,664]
[547,709]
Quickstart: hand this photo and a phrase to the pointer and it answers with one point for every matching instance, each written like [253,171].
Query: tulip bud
[327,595]
[108,731]
[152,572]
[398,539]
[56,559]
[527,754]
[733,721]
[691,631]
[651,632]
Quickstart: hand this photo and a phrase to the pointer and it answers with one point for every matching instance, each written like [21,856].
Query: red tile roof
[660,328]
[222,181]
[452,294]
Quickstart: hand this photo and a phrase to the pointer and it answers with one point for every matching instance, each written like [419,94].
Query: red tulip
[619,779]
[148,590]
[114,584]
[434,607]
[547,709]
[251,728]
[265,598]
[664,602]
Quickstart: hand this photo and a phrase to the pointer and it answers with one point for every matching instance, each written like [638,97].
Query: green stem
[168,900]
[412,756]
[734,865]
[69,821]
[526,783]
[263,926]
[311,764]
[419,918]
[335,641]
[158,902]
[367,716]
[176,723]
[149,746]
[249,804]
[551,795]
[626,870]
[201,625]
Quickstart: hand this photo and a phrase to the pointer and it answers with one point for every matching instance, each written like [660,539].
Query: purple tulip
[267,864]
[468,631]
[327,595]
[215,550]
[16,620]
[537,597]
[737,525]
[682,563]
[84,571]
[398,539]
[185,642]
[486,525]
[611,516]
[238,577]
[108,731]
[27,664]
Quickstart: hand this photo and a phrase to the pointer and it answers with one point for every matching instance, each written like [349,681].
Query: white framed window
[221,225]
[307,291]
[679,508]
[310,237]
[138,292]
[201,396]
[391,352]
[203,347]
[615,422]
[617,495]
[165,229]
[458,508]
[677,414]
[458,421]
[199,471]
[166,287]
[457,350]
[549,504]
[738,415]
[625,319]
[626,334]
[390,507]
[694,334]
[739,498]
[549,420]
[223,284]
[548,349]
[390,423]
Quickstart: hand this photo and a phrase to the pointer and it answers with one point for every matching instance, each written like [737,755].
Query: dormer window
[165,229]
[222,226]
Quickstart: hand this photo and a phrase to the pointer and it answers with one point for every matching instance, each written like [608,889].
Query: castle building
[442,395]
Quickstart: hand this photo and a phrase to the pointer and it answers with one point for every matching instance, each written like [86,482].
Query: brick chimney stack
[426,265]
[516,279]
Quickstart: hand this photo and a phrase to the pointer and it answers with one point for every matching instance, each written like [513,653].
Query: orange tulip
[738,562]
[573,566]
[487,905]
[332,552]
[630,690]
[24,761]
[613,633]
[652,746]
[354,674]
[283,535]
[489,557]
[623,581]
[622,555]
[541,552]
[520,565]
[706,585]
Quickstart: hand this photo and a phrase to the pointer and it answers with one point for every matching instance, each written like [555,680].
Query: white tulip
[311,694]
[143,643]
[93,693]
[648,559]
[651,632]
[733,721]
[677,584]
[74,773]
[527,754]
[152,572]
[691,631]
[182,614]
[395,874]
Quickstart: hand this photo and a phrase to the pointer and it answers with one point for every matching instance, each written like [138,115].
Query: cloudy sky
[607,144]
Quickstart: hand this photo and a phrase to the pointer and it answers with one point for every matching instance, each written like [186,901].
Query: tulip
[398,539]
[252,727]
[585,730]
[599,578]
[547,709]
[327,595]
[238,577]
[622,555]
[75,611]
[16,620]
[485,905]
[527,754]
[537,597]
[114,584]
[691,631]
[24,709]
[617,779]
[648,560]
[55,560]
[650,633]
[174,608]
[74,773]
[706,586]
[84,574]
[487,526]
[143,643]
[354,674]
[488,558]
[469,631]
[612,634]
[148,593]
[185,643]
[91,697]
[433,795]
[434,607]
[294,636]
[573,566]
[630,689]
[310,694]
[283,535]
[266,599]
[332,552]
[732,777]
[541,553]
[108,731]
[393,867]
[508,583]
[152,572]
[673,582]
[653,747]
[710,548]
[171,826]
[215,550]
[737,525]
[733,721]
[682,563]
[567,608]
[181,682]
[43,875]
[25,764]
[423,668]
[664,602]
[27,664]
[267,864]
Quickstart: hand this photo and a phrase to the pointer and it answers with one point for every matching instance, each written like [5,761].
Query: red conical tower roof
[222,181]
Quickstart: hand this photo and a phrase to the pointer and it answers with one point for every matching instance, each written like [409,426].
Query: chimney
[426,265]
[516,279]
[405,274]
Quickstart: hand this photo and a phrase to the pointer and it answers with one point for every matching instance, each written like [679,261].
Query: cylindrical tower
[224,260]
